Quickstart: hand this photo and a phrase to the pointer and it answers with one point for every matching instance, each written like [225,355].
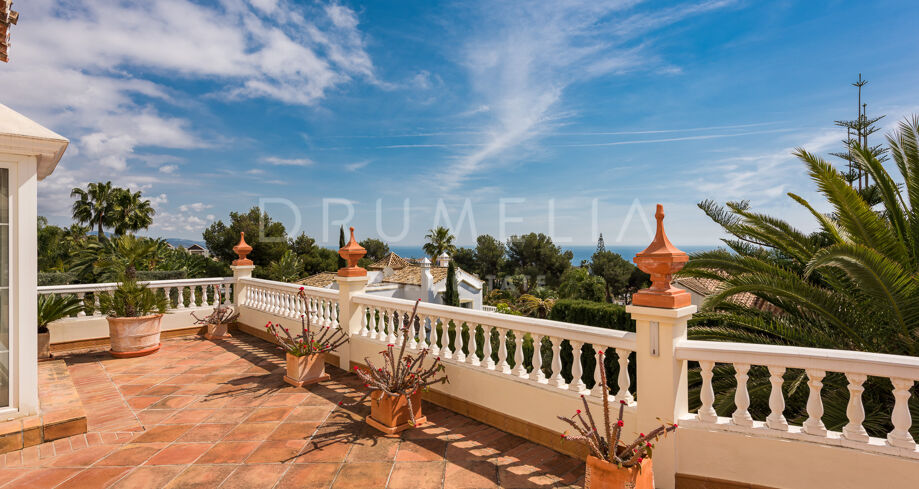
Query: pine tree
[341,244]
[857,132]
[601,246]
[451,294]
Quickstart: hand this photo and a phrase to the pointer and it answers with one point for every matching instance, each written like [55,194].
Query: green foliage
[577,283]
[614,269]
[341,244]
[376,249]
[850,285]
[315,258]
[267,237]
[451,294]
[56,278]
[131,212]
[600,314]
[102,205]
[131,299]
[439,241]
[53,307]
[535,256]
[465,259]
[489,256]
[287,269]
[149,275]
[535,307]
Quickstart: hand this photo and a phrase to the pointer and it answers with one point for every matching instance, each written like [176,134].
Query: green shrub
[56,278]
[53,307]
[600,314]
[145,275]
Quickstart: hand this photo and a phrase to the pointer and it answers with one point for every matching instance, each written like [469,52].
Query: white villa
[394,276]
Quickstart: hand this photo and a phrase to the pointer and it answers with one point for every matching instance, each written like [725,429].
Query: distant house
[394,276]
[197,249]
[700,288]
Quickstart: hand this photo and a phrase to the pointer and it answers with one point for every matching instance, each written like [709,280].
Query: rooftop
[218,414]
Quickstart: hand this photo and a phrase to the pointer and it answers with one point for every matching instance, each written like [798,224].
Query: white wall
[96,327]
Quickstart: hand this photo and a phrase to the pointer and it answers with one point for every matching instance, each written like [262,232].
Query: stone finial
[242,249]
[352,253]
[661,260]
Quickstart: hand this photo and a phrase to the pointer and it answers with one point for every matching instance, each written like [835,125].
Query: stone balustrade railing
[281,299]
[181,294]
[901,371]
[454,334]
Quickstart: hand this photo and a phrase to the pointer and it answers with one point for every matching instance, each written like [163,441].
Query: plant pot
[601,474]
[217,331]
[390,414]
[44,346]
[134,337]
[305,370]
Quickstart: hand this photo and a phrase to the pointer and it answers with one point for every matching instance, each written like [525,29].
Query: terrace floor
[217,414]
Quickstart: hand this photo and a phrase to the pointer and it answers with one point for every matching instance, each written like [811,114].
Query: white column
[741,416]
[814,424]
[577,383]
[776,420]
[901,419]
[625,382]
[239,272]
[855,410]
[662,384]
[707,412]
[349,314]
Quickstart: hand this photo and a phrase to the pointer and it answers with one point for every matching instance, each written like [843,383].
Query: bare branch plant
[310,341]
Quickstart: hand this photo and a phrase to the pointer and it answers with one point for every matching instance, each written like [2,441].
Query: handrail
[874,364]
[312,291]
[74,288]
[544,327]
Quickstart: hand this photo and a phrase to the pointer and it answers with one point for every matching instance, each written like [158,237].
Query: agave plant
[850,285]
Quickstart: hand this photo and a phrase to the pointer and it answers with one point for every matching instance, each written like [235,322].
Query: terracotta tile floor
[218,414]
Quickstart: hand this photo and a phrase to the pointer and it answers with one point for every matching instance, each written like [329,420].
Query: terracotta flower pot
[601,474]
[217,331]
[390,414]
[134,337]
[305,370]
[44,346]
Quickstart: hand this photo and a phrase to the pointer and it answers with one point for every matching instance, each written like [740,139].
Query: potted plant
[613,464]
[306,351]
[218,321]
[134,314]
[395,387]
[51,308]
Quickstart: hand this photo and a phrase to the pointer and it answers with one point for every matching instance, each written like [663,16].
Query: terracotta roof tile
[321,279]
[391,260]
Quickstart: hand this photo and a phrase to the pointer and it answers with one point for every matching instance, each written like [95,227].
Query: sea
[581,253]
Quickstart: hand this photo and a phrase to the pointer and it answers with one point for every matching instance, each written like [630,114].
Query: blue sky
[573,117]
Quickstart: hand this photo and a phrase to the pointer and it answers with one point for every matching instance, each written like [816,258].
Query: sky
[569,118]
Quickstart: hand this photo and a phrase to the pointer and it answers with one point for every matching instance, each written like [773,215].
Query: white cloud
[195,207]
[274,160]
[529,53]
[357,165]
[169,168]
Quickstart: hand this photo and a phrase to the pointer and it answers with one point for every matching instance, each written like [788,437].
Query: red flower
[301,288]
[640,459]
[674,425]
[622,401]
[649,445]
[641,435]
[619,423]
[340,403]
[578,411]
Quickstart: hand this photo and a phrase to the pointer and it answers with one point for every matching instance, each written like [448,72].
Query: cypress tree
[341,244]
[451,294]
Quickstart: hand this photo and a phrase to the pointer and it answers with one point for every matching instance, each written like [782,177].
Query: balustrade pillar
[814,424]
[855,411]
[776,420]
[707,412]
[901,418]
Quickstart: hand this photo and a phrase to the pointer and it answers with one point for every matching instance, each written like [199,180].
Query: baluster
[855,410]
[707,412]
[181,301]
[486,348]
[519,368]
[814,425]
[377,318]
[82,311]
[194,302]
[445,350]
[457,346]
[624,380]
[334,308]
[502,351]
[226,294]
[576,367]
[901,418]
[537,374]
[741,415]
[776,420]
[597,390]
[423,332]
[435,338]
[472,345]
[216,294]
[97,308]
[412,342]
[395,333]
[557,363]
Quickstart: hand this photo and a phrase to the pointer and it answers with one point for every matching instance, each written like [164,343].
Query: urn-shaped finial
[242,249]
[661,260]
[352,253]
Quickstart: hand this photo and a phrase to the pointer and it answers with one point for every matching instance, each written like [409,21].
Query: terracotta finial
[661,260]
[352,253]
[242,249]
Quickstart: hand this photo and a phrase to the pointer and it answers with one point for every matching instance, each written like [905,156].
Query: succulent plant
[615,452]
[309,341]
[222,314]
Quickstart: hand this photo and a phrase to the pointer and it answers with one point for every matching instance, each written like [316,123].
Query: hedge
[56,278]
[601,314]
[145,275]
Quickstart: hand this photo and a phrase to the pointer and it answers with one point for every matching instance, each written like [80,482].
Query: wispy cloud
[529,53]
[684,138]
[357,165]
[274,160]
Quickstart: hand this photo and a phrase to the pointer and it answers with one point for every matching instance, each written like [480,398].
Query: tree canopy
[534,255]
[439,241]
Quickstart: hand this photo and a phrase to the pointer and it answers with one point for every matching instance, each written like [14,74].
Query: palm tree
[131,212]
[116,259]
[440,241]
[851,285]
[95,205]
